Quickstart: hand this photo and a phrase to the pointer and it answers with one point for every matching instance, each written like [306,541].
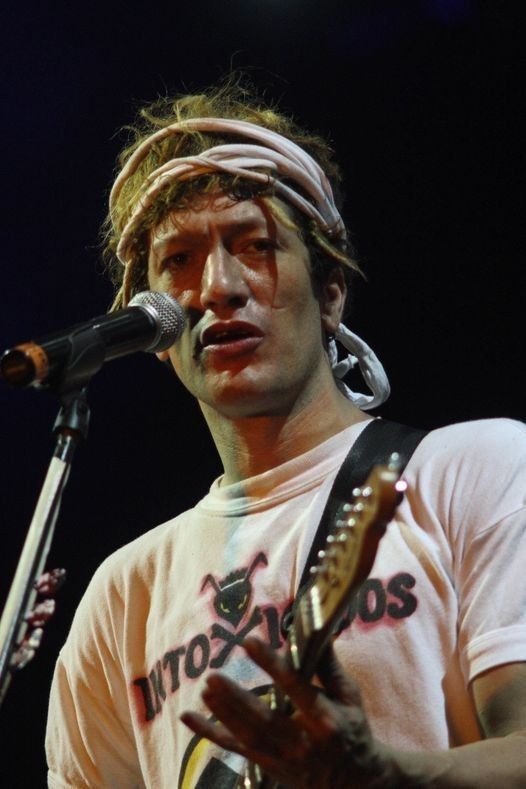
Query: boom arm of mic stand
[71,425]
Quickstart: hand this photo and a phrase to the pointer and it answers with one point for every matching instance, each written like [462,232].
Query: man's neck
[251,445]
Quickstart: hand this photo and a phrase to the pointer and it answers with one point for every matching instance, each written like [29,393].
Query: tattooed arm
[327,743]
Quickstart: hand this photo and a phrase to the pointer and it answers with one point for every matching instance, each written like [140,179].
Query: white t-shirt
[445,600]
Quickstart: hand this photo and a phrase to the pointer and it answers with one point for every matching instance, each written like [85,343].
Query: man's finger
[249,719]
[315,711]
[338,684]
[215,732]
[302,694]
[268,756]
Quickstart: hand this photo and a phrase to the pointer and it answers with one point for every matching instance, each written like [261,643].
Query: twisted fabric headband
[277,154]
[281,157]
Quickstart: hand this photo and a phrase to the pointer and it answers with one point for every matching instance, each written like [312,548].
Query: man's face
[254,340]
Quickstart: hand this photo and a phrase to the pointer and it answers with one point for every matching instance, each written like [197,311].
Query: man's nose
[222,282]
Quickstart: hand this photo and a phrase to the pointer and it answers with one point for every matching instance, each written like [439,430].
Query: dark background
[422,101]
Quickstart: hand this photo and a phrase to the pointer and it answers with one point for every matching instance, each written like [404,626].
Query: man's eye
[178,260]
[261,245]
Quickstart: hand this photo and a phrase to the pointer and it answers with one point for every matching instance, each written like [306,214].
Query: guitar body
[344,565]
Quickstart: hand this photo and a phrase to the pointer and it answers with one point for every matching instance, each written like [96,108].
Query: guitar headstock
[344,564]
[349,554]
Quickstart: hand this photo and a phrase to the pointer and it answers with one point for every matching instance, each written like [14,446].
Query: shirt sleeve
[492,597]
[89,738]
[486,521]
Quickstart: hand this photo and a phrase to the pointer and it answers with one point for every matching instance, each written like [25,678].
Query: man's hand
[325,743]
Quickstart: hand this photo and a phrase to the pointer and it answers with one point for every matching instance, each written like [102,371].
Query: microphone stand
[21,627]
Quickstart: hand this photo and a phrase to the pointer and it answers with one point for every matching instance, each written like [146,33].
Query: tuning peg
[335,538]
[26,650]
[21,658]
[49,583]
[394,461]
[319,571]
[41,613]
[35,638]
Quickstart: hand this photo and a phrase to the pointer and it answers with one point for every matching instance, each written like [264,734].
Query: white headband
[283,157]
[277,154]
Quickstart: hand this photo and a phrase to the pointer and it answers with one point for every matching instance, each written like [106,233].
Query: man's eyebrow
[174,236]
[233,229]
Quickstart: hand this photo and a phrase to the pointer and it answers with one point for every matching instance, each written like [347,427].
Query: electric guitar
[344,564]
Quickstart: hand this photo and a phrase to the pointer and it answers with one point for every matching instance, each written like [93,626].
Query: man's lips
[230,338]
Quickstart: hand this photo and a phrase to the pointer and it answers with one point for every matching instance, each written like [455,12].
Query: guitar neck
[344,564]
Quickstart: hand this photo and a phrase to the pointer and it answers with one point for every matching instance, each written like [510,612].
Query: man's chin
[236,402]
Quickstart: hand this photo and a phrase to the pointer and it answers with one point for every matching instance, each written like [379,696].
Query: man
[228,207]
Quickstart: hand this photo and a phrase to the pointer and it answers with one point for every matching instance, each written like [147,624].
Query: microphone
[151,322]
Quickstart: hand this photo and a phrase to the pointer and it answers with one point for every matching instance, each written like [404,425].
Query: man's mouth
[230,339]
[228,336]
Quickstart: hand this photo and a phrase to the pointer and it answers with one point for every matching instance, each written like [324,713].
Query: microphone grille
[167,313]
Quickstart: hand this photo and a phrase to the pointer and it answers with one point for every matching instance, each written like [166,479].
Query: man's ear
[332,300]
[163,356]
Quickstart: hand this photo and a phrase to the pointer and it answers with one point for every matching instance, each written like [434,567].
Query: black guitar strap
[374,445]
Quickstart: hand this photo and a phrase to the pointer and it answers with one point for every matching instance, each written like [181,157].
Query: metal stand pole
[17,645]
